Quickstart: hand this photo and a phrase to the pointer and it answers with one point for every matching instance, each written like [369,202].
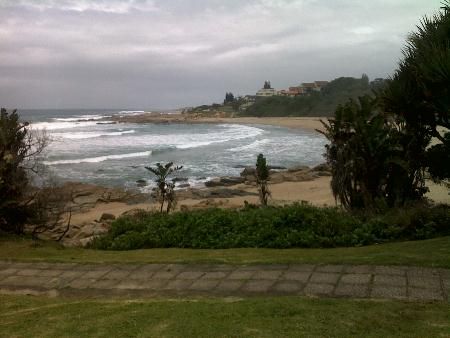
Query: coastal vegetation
[262,177]
[19,157]
[320,104]
[297,225]
[166,189]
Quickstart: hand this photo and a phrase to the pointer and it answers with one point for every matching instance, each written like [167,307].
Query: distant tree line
[321,103]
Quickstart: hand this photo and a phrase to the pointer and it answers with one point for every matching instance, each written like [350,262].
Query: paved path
[360,281]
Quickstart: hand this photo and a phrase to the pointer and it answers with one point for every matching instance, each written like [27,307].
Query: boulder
[248,171]
[322,167]
[107,217]
[141,183]
[224,181]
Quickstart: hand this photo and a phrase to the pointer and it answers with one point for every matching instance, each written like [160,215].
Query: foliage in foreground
[19,149]
[297,225]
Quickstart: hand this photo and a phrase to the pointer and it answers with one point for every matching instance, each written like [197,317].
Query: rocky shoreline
[93,208]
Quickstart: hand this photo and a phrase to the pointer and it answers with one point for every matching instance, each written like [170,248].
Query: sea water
[86,147]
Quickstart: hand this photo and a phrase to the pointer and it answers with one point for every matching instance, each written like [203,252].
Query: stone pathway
[354,281]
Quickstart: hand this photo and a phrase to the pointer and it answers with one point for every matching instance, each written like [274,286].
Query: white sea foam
[63,125]
[254,145]
[82,118]
[85,135]
[99,158]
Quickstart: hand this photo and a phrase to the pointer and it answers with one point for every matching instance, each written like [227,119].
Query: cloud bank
[163,54]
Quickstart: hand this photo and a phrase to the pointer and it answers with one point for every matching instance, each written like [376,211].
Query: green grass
[432,253]
[24,316]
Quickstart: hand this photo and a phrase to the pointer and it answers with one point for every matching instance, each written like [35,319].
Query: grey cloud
[80,53]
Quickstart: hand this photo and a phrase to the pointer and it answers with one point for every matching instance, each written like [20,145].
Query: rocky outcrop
[224,181]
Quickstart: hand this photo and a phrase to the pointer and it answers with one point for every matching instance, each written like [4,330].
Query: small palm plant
[165,189]
[262,176]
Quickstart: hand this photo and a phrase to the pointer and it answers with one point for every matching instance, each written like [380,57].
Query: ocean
[87,148]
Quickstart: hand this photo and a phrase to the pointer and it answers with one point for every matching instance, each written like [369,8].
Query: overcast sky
[171,53]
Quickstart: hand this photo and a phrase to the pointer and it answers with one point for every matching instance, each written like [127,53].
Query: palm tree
[262,176]
[165,188]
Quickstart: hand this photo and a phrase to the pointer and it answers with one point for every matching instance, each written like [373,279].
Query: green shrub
[297,225]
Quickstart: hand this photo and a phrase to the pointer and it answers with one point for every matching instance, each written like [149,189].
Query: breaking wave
[99,158]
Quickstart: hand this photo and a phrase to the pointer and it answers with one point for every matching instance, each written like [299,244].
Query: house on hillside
[267,90]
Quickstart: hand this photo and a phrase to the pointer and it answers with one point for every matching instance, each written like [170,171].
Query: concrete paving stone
[425,294]
[390,270]
[394,280]
[152,267]
[10,280]
[424,282]
[204,284]
[63,266]
[28,272]
[263,267]
[215,275]
[241,275]
[315,289]
[221,267]
[178,267]
[302,267]
[94,274]
[329,268]
[321,277]
[271,274]
[5,265]
[356,278]
[30,281]
[257,285]
[164,274]
[155,284]
[104,284]
[300,276]
[8,272]
[229,285]
[51,273]
[178,284]
[18,265]
[140,275]
[116,274]
[42,265]
[287,286]
[388,291]
[364,269]
[352,290]
[190,274]
[72,274]
[128,267]
[81,283]
[130,285]
[422,272]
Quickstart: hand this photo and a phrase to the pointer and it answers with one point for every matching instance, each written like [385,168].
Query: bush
[297,225]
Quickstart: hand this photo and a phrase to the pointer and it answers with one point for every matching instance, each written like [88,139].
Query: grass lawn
[25,316]
[432,253]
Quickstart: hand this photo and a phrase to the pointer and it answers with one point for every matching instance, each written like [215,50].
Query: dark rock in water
[224,181]
[141,183]
[276,167]
[184,185]
[179,179]
[201,178]
[240,166]
[298,168]
[134,166]
[107,217]
[112,122]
